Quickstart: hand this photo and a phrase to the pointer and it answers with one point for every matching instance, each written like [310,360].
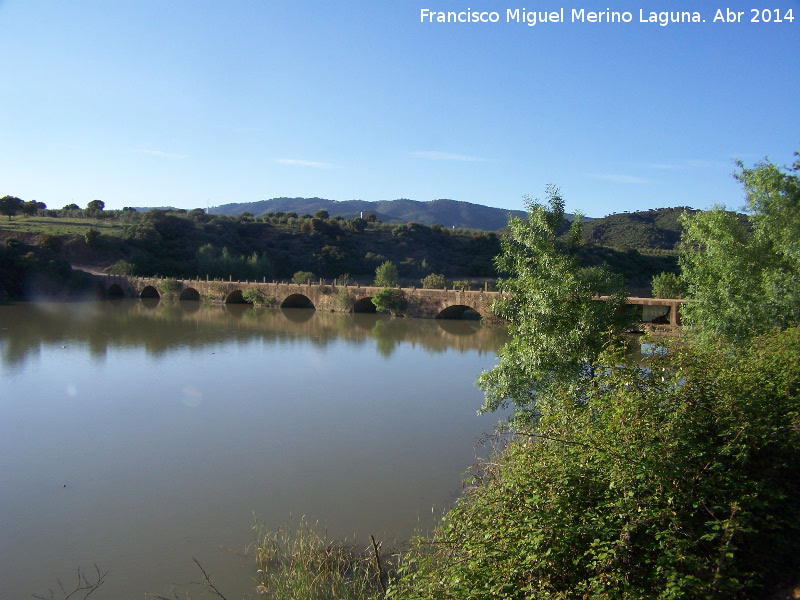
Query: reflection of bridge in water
[422,303]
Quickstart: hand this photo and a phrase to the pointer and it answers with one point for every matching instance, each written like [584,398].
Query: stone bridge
[422,303]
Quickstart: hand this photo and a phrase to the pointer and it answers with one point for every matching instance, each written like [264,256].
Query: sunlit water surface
[139,436]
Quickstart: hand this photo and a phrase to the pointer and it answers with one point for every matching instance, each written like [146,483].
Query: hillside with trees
[181,243]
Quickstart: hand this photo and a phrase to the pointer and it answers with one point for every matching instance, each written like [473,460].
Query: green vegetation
[303,277]
[386,274]
[342,299]
[668,285]
[434,281]
[390,299]
[677,480]
[256,297]
[169,288]
[298,564]
[559,330]
[187,244]
[744,278]
[669,479]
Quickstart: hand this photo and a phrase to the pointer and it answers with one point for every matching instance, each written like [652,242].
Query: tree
[322,214]
[391,299]
[743,275]
[31,207]
[95,206]
[558,325]
[10,206]
[386,274]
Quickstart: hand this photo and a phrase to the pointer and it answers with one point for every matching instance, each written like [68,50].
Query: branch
[208,581]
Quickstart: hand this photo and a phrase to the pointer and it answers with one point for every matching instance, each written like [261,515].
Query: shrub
[386,274]
[253,296]
[121,267]
[673,481]
[93,238]
[667,285]
[434,281]
[342,299]
[461,284]
[51,241]
[303,277]
[168,287]
[390,299]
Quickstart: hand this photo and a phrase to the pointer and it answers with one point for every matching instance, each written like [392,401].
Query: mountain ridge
[446,212]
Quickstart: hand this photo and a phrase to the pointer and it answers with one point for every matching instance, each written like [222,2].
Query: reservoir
[139,436]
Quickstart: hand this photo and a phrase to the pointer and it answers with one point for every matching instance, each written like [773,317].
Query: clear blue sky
[189,102]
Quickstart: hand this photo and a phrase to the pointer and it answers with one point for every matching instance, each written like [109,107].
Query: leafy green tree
[434,281]
[303,277]
[32,207]
[391,299]
[386,274]
[558,326]
[10,206]
[322,214]
[675,481]
[95,206]
[743,278]
[667,285]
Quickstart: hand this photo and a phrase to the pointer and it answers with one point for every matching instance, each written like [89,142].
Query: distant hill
[657,229]
[449,213]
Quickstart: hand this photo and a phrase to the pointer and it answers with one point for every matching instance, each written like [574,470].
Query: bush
[386,274]
[50,241]
[342,299]
[121,267]
[169,287]
[434,281]
[667,285]
[93,238]
[461,284]
[391,299]
[303,277]
[678,480]
[255,296]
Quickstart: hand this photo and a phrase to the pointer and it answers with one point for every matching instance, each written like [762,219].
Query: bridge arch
[149,292]
[189,294]
[297,301]
[235,297]
[365,305]
[460,311]
[114,291]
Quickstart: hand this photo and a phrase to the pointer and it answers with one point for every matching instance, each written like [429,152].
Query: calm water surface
[138,436]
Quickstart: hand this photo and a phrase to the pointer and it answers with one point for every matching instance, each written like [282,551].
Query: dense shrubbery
[434,281]
[677,480]
[668,285]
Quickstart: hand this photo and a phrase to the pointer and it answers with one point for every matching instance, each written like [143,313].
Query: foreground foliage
[744,275]
[557,325]
[675,481]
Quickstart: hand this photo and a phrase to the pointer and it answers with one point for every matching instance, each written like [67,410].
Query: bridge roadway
[422,303]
